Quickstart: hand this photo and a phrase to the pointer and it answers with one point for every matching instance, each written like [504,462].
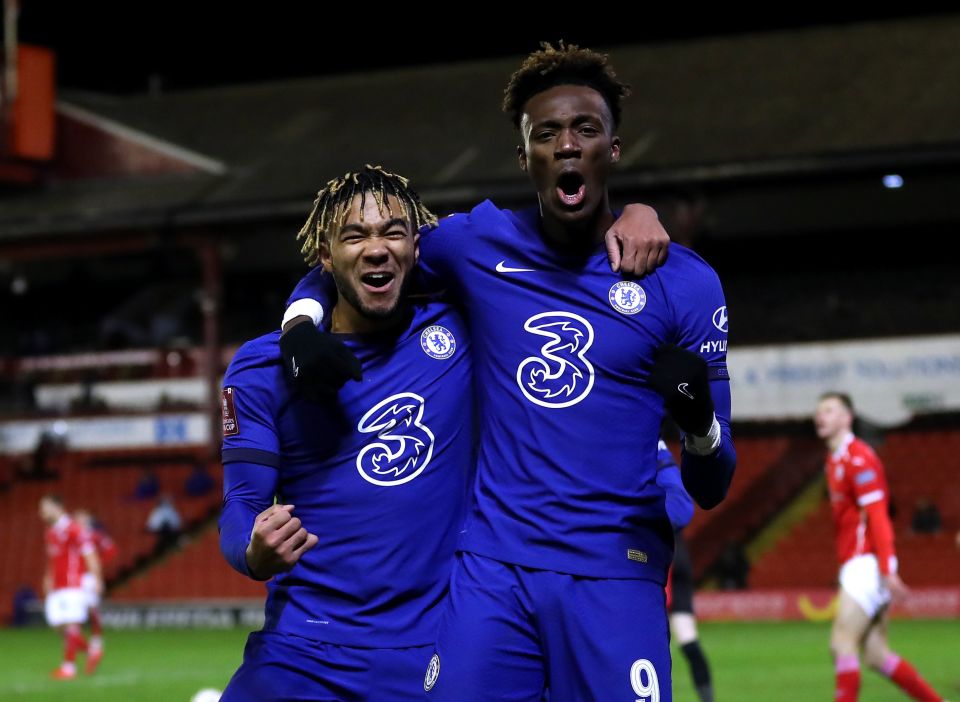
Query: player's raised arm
[701,408]
[692,378]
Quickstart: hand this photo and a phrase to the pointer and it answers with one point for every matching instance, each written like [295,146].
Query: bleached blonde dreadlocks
[333,203]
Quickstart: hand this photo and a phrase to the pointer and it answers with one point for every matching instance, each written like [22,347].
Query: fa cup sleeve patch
[231,427]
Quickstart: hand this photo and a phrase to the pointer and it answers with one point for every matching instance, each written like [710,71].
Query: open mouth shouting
[378,281]
[571,188]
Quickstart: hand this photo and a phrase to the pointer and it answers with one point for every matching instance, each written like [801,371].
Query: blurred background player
[164,522]
[865,550]
[375,476]
[70,553]
[683,623]
[106,552]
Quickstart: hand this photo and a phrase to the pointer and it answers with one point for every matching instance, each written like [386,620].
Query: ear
[326,260]
[615,149]
[416,247]
[522,158]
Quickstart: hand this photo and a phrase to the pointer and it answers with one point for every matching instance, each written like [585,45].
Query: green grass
[138,666]
[790,662]
[751,662]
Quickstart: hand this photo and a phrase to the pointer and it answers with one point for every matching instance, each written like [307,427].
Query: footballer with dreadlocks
[558,584]
[351,505]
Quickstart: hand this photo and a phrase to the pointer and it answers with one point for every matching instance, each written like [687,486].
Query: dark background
[134,46]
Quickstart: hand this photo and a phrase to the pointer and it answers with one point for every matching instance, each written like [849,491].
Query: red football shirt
[859,496]
[67,544]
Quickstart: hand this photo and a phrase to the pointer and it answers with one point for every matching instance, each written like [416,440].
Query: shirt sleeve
[679,505]
[708,478]
[700,314]
[869,488]
[866,477]
[249,404]
[881,533]
[248,489]
[315,293]
[441,253]
[701,326]
[83,540]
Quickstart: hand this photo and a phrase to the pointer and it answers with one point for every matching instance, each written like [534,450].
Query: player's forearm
[707,478]
[678,503]
[315,293]
[236,523]
[93,565]
[290,322]
[679,510]
[881,532]
[248,489]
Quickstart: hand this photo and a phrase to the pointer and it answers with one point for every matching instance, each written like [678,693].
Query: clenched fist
[277,542]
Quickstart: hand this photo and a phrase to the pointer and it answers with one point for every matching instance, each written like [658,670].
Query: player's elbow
[710,499]
[709,483]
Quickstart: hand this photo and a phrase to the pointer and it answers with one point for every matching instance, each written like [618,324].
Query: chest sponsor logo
[720,319]
[626,297]
[438,342]
[401,445]
[561,375]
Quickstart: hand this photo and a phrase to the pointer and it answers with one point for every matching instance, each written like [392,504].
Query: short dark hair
[843,397]
[567,64]
[335,199]
[54,498]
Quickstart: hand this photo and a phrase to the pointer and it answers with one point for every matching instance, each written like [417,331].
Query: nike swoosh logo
[682,387]
[506,269]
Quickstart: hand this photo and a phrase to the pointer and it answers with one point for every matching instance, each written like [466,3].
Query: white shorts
[66,606]
[860,578]
[89,584]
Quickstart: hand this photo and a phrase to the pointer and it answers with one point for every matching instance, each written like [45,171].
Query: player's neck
[346,319]
[837,440]
[581,237]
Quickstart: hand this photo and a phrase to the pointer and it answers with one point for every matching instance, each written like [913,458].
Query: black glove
[680,377]
[317,363]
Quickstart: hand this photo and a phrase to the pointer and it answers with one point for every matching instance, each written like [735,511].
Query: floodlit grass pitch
[760,662]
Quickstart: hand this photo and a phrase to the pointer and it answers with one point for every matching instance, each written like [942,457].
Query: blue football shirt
[567,463]
[380,475]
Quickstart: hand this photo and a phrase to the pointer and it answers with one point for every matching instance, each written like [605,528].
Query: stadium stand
[919,462]
[770,471]
[195,572]
[102,482]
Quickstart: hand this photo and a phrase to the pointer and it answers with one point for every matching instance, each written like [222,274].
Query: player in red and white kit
[70,553]
[868,572]
[106,549]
